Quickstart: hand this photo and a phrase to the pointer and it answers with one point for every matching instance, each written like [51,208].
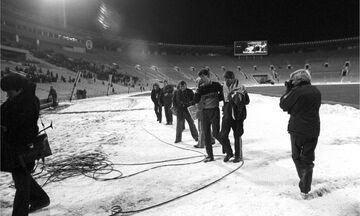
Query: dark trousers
[28,192]
[201,142]
[181,115]
[238,130]
[210,120]
[168,113]
[303,155]
[158,111]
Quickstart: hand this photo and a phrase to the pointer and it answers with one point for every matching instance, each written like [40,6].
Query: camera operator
[19,116]
[302,101]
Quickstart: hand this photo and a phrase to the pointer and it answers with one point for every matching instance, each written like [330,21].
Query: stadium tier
[136,63]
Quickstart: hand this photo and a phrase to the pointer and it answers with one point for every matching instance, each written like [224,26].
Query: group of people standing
[163,97]
[207,98]
[20,113]
[301,100]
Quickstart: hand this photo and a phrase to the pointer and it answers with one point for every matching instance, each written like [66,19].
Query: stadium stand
[136,63]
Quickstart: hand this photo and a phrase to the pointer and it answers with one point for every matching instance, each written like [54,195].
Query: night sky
[220,22]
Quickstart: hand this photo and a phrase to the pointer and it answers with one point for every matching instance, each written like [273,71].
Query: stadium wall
[10,53]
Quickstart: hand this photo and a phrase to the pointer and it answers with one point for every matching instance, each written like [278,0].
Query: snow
[124,128]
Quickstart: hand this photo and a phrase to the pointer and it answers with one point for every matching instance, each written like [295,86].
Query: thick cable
[116,210]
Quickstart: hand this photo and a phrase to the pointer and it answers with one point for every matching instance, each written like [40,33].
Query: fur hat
[13,82]
[229,75]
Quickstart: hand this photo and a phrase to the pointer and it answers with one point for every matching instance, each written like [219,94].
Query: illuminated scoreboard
[242,48]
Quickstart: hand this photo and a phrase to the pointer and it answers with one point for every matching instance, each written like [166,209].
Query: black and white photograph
[179,107]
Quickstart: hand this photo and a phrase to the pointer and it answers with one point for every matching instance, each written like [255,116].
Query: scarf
[235,91]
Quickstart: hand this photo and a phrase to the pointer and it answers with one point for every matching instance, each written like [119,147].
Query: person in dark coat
[182,99]
[210,93]
[156,98]
[234,114]
[302,101]
[19,116]
[166,98]
[52,96]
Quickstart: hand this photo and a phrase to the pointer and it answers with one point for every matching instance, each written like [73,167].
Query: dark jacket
[19,116]
[156,96]
[210,94]
[303,104]
[53,94]
[167,95]
[236,107]
[183,99]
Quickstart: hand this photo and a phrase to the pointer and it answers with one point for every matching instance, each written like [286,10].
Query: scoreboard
[243,48]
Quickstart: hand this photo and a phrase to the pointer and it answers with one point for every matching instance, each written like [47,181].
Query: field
[345,94]
[137,166]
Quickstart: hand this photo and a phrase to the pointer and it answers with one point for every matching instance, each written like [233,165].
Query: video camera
[289,85]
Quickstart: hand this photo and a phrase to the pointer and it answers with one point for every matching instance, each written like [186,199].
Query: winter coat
[167,95]
[183,99]
[235,100]
[303,104]
[53,94]
[211,95]
[236,107]
[156,96]
[19,115]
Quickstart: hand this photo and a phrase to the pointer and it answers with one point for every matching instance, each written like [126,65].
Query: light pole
[64,13]
[60,13]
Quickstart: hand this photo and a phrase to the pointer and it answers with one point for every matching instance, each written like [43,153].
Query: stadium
[109,157]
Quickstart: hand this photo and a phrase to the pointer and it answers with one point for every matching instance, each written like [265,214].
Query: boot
[208,159]
[237,159]
[227,157]
[308,180]
[305,179]
[301,173]
[37,206]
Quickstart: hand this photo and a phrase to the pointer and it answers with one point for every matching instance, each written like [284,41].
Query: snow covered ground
[125,130]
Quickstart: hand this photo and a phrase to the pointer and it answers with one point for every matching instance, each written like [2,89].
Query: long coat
[19,116]
[167,95]
[156,96]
